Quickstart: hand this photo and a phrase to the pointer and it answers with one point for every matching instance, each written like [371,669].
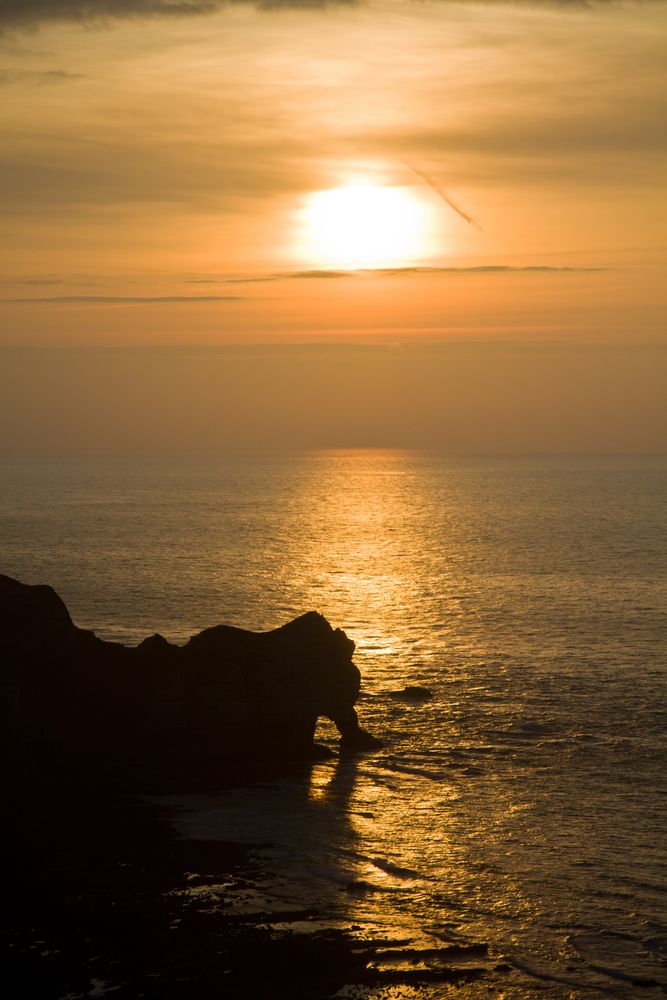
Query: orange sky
[160,175]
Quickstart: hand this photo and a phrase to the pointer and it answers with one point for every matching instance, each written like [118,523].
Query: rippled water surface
[521,806]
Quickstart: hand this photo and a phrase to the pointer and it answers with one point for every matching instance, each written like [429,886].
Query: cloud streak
[259,279]
[26,13]
[445,197]
[122,300]
[394,272]
[32,13]
[43,78]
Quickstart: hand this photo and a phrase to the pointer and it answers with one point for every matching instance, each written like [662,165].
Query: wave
[421,772]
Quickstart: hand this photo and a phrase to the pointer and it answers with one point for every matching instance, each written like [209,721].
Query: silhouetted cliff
[227,695]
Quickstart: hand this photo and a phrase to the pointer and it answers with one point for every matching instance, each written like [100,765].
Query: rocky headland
[228,697]
[99,893]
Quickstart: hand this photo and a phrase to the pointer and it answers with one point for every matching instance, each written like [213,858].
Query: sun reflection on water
[511,806]
[360,560]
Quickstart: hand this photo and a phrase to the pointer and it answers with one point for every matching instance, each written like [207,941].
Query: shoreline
[103,897]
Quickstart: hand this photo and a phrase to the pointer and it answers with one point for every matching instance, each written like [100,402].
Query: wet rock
[412,692]
[228,695]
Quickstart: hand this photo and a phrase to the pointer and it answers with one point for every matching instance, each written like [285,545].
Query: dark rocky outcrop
[412,692]
[228,695]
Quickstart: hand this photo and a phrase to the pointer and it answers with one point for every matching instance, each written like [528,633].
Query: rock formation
[227,695]
[412,692]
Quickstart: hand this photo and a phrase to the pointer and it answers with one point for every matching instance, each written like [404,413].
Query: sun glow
[365,225]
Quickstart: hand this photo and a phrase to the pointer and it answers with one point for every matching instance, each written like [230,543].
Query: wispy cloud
[123,300]
[32,280]
[593,128]
[43,78]
[381,273]
[25,13]
[388,272]
[443,195]
[31,13]
[490,269]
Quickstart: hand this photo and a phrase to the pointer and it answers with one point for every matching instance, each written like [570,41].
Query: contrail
[445,197]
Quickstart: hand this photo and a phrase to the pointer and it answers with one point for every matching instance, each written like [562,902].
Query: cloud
[42,78]
[25,13]
[631,125]
[307,275]
[58,76]
[122,300]
[31,280]
[488,269]
[40,172]
[32,13]
[444,196]
[608,139]
[392,272]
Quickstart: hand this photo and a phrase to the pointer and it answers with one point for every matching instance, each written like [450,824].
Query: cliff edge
[228,695]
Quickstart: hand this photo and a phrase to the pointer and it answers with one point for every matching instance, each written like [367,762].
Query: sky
[374,224]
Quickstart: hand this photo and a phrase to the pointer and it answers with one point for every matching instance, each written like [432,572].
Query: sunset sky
[434,224]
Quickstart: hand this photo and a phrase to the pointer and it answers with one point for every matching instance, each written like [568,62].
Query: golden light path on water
[516,809]
[447,837]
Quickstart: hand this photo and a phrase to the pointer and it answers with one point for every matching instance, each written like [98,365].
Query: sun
[364,226]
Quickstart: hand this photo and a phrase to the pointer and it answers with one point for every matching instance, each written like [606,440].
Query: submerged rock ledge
[226,696]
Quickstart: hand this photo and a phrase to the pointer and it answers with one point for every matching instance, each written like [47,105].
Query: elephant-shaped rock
[227,695]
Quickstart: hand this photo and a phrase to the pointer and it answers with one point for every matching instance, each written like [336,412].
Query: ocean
[521,807]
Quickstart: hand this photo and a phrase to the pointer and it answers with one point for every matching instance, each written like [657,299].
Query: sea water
[521,806]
